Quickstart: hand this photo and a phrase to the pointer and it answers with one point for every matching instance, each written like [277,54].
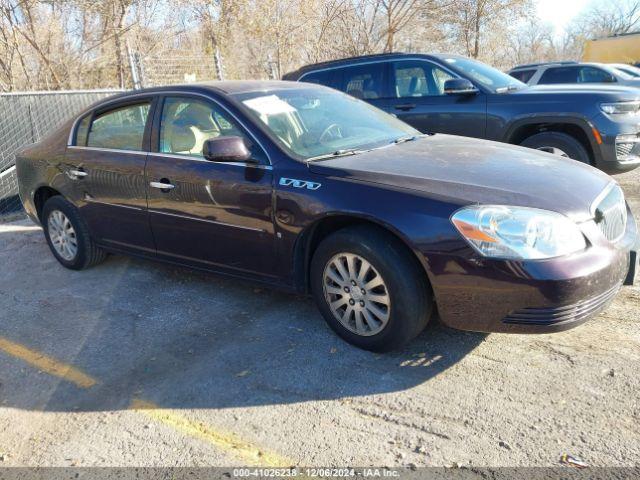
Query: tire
[404,288]
[546,141]
[86,252]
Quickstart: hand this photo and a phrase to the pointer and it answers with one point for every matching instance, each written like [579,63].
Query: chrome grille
[623,149]
[611,214]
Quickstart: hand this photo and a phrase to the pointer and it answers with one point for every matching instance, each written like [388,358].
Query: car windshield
[315,122]
[489,77]
[626,72]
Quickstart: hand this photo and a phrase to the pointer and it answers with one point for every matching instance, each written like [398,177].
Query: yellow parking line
[47,364]
[224,441]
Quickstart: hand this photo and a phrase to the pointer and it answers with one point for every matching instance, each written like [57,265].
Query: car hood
[471,171]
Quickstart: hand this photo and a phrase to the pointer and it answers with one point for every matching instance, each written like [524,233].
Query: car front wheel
[68,235]
[559,144]
[370,289]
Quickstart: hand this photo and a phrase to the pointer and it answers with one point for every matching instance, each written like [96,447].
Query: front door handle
[405,106]
[163,185]
[75,174]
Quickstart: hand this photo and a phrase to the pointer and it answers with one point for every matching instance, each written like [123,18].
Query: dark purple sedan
[305,188]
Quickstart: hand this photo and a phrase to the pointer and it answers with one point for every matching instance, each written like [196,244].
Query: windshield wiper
[407,138]
[337,153]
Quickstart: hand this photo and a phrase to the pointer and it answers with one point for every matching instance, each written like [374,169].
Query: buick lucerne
[306,188]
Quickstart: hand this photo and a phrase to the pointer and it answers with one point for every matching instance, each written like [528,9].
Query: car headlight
[518,232]
[621,108]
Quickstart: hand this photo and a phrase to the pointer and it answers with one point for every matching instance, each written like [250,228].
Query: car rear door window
[326,77]
[186,123]
[419,79]
[594,75]
[364,81]
[82,131]
[523,75]
[560,75]
[121,128]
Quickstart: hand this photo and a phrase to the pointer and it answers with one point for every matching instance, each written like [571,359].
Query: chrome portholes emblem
[295,183]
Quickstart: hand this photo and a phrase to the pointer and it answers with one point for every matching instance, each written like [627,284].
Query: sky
[560,12]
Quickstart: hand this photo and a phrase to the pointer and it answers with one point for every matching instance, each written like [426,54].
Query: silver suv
[573,72]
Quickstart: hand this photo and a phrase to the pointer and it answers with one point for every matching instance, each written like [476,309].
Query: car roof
[228,87]
[246,86]
[360,59]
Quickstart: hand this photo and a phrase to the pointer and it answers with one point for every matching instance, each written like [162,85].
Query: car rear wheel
[370,289]
[558,144]
[68,235]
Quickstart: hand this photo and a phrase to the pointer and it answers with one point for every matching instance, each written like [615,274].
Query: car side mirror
[459,86]
[226,149]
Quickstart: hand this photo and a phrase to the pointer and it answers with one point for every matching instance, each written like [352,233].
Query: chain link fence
[159,70]
[27,117]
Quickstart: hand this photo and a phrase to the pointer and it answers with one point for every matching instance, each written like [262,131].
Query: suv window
[523,75]
[576,75]
[419,79]
[364,81]
[121,128]
[186,123]
[594,75]
[326,77]
[559,75]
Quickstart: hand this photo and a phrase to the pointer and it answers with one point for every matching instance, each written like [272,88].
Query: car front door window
[186,123]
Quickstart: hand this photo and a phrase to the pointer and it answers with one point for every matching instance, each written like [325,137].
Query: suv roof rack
[540,64]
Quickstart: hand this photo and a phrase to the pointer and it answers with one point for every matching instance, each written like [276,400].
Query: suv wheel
[559,144]
[370,289]
[68,235]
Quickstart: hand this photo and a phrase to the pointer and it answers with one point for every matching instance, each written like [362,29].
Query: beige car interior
[185,132]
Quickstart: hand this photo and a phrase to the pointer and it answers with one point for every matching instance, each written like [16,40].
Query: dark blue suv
[599,125]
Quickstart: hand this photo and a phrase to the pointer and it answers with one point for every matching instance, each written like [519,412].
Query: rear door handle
[405,106]
[162,185]
[75,174]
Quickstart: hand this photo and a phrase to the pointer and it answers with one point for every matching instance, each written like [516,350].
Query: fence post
[217,59]
[134,71]
[142,80]
[273,75]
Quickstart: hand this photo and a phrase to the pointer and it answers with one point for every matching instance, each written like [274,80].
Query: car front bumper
[486,295]
[619,150]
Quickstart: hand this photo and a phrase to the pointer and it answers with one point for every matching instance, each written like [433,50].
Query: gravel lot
[137,363]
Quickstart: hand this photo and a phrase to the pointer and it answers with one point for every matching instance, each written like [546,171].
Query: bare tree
[473,18]
[610,18]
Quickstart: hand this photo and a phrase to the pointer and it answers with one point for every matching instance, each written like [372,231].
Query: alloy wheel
[356,294]
[62,235]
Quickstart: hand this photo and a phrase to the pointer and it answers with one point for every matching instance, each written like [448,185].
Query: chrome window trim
[158,94]
[202,159]
[224,224]
[172,155]
[110,150]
